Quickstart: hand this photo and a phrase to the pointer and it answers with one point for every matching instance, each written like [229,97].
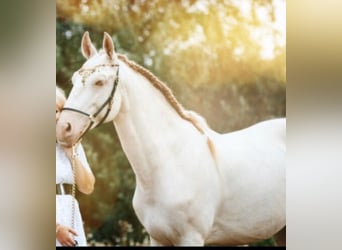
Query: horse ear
[108,45]
[88,49]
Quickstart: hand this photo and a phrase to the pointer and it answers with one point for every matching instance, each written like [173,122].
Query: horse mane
[194,118]
[166,91]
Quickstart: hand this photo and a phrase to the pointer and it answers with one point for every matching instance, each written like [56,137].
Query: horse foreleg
[154,243]
[191,239]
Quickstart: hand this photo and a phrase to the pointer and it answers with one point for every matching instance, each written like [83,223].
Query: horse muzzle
[67,134]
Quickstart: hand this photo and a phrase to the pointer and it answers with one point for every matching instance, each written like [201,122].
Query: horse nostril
[68,127]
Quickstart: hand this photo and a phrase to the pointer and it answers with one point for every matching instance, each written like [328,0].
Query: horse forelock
[94,63]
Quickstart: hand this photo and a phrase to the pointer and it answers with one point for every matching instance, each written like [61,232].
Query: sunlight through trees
[225,59]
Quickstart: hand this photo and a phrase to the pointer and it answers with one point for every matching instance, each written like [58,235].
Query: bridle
[108,102]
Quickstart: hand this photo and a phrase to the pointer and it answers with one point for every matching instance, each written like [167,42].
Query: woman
[69,225]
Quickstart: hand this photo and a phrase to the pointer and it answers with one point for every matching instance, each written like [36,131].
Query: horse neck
[147,126]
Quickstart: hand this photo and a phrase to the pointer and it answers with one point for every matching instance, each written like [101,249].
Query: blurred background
[225,60]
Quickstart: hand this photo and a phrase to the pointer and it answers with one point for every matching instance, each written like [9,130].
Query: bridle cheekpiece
[108,102]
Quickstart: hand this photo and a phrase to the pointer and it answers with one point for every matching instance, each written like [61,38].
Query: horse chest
[158,204]
[158,217]
[166,216]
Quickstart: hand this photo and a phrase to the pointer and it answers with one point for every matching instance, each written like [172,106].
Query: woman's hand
[63,235]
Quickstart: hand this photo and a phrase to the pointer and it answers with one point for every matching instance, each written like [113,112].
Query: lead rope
[73,190]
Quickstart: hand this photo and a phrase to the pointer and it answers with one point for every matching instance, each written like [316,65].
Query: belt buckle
[60,189]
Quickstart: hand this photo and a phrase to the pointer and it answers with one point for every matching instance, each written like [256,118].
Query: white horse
[194,186]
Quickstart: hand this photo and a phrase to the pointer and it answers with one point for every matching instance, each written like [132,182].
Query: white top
[64,202]
[63,165]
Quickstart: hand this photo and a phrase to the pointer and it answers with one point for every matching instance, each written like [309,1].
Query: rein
[108,102]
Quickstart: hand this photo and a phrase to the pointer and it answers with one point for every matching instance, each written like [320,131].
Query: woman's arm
[85,179]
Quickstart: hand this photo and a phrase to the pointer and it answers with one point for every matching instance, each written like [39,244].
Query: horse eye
[99,83]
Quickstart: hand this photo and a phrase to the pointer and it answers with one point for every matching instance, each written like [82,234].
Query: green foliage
[196,42]
[229,91]
[269,243]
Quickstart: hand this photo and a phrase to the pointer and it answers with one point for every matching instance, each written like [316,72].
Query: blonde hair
[60,98]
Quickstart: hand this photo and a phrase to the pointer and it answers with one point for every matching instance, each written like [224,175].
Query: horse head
[93,99]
